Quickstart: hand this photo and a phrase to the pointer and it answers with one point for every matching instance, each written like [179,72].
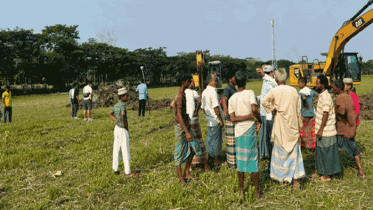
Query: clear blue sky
[240,28]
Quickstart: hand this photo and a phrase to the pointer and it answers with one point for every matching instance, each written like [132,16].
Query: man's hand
[221,124]
[258,70]
[304,97]
[319,133]
[189,136]
[258,124]
[225,114]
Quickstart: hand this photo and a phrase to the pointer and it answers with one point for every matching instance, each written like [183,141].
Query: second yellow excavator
[339,64]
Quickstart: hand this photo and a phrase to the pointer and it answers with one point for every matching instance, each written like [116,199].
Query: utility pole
[274,62]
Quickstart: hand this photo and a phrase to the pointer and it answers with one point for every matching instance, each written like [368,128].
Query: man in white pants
[121,136]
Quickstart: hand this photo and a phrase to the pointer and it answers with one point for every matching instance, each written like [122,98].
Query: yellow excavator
[339,64]
[214,68]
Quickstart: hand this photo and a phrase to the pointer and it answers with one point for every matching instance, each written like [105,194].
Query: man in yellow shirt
[7,102]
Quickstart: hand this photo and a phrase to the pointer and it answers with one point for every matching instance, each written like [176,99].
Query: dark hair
[182,77]
[339,84]
[89,82]
[75,84]
[324,81]
[230,74]
[7,87]
[303,79]
[240,79]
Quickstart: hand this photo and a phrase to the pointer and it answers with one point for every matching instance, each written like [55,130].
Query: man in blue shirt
[143,96]
[265,146]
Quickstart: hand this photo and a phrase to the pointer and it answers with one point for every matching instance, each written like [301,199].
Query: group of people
[87,97]
[287,120]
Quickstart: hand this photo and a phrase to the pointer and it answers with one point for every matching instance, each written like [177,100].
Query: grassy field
[43,139]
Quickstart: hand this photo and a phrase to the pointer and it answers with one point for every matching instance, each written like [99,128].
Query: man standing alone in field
[88,95]
[143,96]
[75,101]
[229,126]
[186,143]
[242,110]
[346,125]
[193,102]
[265,145]
[287,161]
[210,105]
[7,102]
[121,136]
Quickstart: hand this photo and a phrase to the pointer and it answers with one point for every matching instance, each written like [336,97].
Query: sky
[239,28]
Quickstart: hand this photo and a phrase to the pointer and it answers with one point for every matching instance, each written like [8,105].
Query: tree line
[56,57]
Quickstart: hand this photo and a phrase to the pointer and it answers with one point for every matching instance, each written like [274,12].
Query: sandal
[192,178]
[322,179]
[132,175]
[360,177]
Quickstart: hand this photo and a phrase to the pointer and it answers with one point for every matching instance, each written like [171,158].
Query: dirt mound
[366,103]
[106,96]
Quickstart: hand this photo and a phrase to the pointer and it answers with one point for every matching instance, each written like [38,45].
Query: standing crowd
[286,122]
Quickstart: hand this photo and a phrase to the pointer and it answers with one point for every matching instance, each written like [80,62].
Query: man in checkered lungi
[229,126]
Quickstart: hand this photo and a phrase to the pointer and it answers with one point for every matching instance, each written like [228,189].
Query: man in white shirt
[193,104]
[88,95]
[242,111]
[210,105]
[269,82]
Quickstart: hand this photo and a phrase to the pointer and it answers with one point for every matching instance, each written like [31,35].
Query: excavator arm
[349,29]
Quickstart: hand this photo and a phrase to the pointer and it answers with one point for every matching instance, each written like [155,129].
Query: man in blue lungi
[265,145]
[211,107]
[242,111]
[286,161]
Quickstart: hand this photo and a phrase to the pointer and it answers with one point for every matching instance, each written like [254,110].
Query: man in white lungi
[286,160]
[121,136]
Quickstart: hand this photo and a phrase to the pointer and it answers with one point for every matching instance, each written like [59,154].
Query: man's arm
[125,123]
[178,105]
[198,106]
[235,118]
[112,117]
[325,116]
[267,102]
[217,112]
[91,94]
[3,101]
[260,71]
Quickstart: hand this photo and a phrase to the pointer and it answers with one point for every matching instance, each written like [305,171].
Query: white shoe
[85,118]
[90,119]
[76,118]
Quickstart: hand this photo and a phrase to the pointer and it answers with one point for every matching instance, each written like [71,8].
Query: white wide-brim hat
[122,91]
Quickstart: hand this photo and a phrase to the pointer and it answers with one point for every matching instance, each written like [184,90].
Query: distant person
[229,90]
[346,125]
[215,124]
[307,130]
[71,98]
[287,161]
[75,101]
[88,95]
[193,104]
[327,155]
[143,96]
[186,143]
[265,146]
[242,111]
[7,103]
[121,134]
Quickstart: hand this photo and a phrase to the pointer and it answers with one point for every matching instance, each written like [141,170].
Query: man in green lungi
[186,143]
[242,111]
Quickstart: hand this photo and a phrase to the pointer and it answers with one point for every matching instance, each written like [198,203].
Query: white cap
[122,91]
[268,68]
[347,80]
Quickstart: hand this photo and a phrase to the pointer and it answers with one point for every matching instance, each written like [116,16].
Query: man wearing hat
[7,102]
[265,146]
[121,136]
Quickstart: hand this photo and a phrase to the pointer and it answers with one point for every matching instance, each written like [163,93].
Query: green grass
[43,139]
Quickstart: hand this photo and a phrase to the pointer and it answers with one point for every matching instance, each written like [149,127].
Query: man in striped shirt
[327,154]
